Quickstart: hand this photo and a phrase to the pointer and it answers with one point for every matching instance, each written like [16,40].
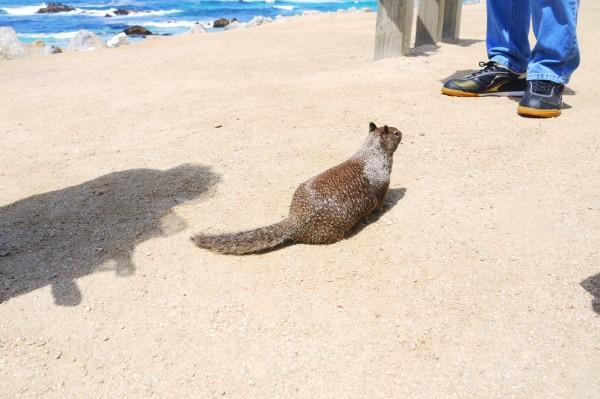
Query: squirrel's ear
[372,127]
[386,129]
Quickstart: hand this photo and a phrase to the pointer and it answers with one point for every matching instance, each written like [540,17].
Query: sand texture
[480,280]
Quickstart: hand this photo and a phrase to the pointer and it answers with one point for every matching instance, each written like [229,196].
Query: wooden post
[394,26]
[430,22]
[452,13]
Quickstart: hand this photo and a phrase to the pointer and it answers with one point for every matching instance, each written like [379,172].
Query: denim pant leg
[508,24]
[556,53]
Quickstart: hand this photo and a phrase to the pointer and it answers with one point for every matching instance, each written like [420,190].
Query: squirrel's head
[388,137]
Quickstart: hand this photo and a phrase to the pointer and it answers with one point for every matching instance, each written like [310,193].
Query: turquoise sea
[160,16]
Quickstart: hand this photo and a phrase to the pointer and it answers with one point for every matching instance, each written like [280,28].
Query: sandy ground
[478,281]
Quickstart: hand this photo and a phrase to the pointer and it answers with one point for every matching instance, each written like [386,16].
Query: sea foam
[169,24]
[32,10]
[25,10]
[56,35]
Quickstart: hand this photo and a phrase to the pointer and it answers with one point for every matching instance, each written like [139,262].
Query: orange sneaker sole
[538,113]
[457,93]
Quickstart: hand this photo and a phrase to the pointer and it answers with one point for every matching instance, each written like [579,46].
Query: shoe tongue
[500,67]
[490,66]
[542,86]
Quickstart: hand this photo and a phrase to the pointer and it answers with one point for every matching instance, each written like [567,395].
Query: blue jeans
[556,53]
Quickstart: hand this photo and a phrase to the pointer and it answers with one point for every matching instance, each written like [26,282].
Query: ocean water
[160,16]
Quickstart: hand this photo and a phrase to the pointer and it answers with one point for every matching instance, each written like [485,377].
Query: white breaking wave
[292,1]
[320,1]
[295,1]
[155,13]
[133,14]
[171,24]
[286,8]
[32,10]
[26,10]
[93,13]
[57,35]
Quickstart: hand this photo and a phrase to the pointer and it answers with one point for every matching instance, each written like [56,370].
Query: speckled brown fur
[327,206]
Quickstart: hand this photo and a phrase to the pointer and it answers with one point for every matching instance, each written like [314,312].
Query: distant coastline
[159,16]
[72,24]
[169,17]
[13,47]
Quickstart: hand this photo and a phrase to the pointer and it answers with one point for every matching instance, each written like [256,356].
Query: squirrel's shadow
[394,195]
[56,237]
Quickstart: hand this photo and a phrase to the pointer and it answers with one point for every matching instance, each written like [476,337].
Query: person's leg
[507,41]
[554,57]
[556,54]
[508,24]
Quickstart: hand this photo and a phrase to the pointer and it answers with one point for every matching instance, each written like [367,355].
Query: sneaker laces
[487,67]
[543,87]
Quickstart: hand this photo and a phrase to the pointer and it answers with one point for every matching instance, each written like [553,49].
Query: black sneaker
[493,80]
[543,99]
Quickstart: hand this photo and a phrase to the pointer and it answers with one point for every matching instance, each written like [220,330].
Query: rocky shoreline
[55,8]
[12,48]
[52,8]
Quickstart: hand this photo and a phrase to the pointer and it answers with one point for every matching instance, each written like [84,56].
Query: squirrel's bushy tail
[246,242]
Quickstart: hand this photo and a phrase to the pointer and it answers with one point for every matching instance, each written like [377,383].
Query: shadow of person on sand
[56,237]
[592,285]
[461,73]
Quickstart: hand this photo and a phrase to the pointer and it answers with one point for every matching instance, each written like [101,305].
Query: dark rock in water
[54,8]
[137,30]
[221,23]
[122,11]
[107,16]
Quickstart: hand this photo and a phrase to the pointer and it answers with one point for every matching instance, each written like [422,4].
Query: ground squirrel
[327,206]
